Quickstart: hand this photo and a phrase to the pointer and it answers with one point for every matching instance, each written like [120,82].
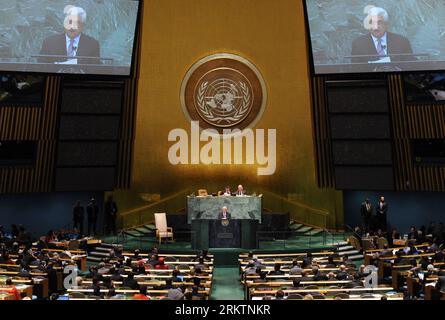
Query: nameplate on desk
[224,235]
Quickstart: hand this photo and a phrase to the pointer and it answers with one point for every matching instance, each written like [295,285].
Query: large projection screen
[81,37]
[361,36]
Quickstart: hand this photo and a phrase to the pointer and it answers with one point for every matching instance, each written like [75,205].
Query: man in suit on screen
[72,43]
[379,43]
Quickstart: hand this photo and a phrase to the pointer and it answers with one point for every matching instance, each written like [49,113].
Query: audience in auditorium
[106,274]
[279,295]
[130,282]
[142,295]
[161,264]
[296,268]
[196,295]
[277,270]
[176,293]
[175,276]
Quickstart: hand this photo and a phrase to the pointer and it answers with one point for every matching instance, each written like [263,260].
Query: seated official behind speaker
[72,43]
[379,42]
[224,214]
[227,192]
[240,191]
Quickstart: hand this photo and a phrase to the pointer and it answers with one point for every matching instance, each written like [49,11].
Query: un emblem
[223,91]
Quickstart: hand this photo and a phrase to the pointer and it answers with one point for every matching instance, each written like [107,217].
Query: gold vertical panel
[128,119]
[176,34]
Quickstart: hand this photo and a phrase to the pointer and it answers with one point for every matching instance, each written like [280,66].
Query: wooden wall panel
[415,122]
[40,123]
[325,168]
[408,122]
[36,124]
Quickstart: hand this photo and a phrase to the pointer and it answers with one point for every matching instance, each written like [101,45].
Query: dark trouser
[382,222]
[366,223]
[111,224]
[78,224]
[92,227]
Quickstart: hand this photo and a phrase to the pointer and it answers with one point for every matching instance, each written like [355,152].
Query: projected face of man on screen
[379,45]
[377,21]
[73,46]
[75,18]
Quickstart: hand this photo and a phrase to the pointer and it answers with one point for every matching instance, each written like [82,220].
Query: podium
[237,232]
[233,233]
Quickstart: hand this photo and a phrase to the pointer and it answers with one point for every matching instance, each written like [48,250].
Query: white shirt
[75,45]
[384,43]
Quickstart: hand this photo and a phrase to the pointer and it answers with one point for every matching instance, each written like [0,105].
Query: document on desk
[431,284]
[70,61]
[382,60]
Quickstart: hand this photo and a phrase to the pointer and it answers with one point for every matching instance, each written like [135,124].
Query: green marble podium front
[202,213]
[208,208]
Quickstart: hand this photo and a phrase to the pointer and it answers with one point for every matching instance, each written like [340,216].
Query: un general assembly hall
[228,152]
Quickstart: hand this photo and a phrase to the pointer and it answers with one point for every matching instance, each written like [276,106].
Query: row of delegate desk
[39,284]
[400,274]
[257,290]
[157,277]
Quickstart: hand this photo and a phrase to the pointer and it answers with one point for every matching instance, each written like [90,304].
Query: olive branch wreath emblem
[237,116]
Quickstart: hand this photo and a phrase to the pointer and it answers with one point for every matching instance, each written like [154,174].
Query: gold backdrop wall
[271,34]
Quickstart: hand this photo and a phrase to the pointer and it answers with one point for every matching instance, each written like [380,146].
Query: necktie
[380,49]
[71,50]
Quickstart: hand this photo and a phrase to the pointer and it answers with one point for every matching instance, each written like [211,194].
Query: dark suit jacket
[381,212]
[320,277]
[396,44]
[116,277]
[92,212]
[110,209]
[78,213]
[56,45]
[133,284]
[220,215]
[364,212]
[276,273]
